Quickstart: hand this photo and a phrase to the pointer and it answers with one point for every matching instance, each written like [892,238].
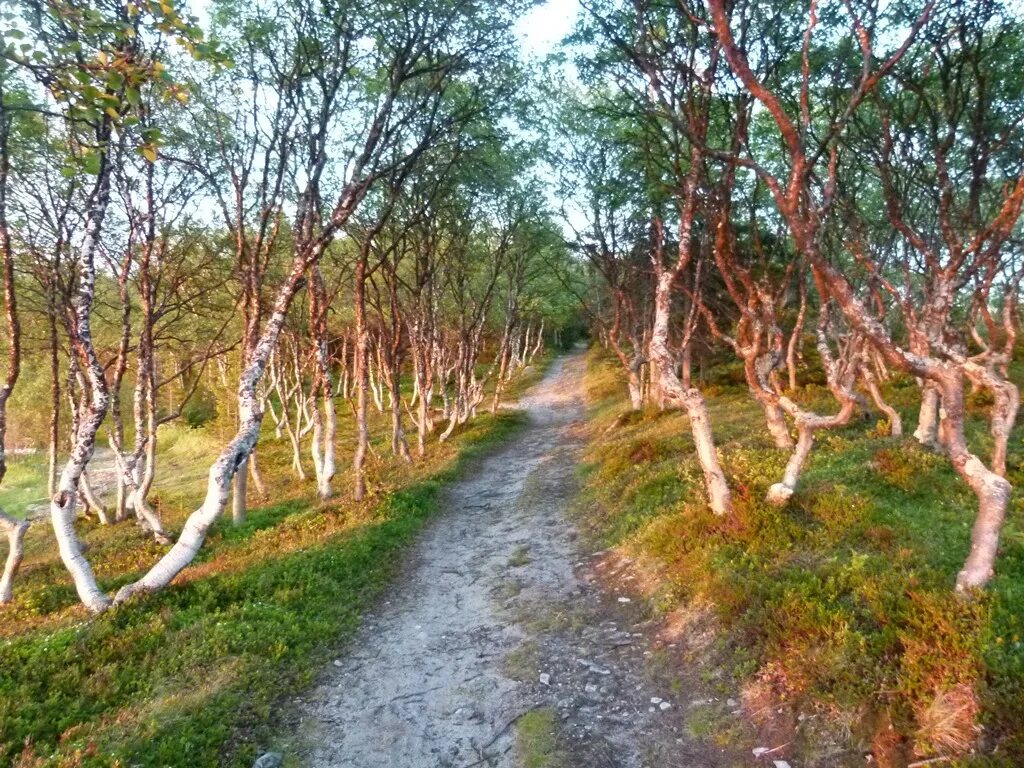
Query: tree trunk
[93,503]
[362,379]
[868,374]
[62,504]
[927,432]
[120,500]
[636,393]
[54,433]
[238,498]
[229,461]
[325,420]
[256,476]
[992,490]
[719,496]
[776,421]
[806,425]
[15,530]
[399,444]
[796,336]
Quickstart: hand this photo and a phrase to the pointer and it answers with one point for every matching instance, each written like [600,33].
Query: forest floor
[831,623]
[197,674]
[504,641]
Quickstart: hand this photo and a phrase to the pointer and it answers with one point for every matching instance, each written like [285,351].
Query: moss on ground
[538,743]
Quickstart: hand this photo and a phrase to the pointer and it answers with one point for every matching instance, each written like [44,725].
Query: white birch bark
[230,460]
[691,400]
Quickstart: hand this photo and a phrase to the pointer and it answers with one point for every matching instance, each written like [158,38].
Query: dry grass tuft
[948,725]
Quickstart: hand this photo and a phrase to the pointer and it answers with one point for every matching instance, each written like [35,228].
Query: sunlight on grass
[190,676]
[841,604]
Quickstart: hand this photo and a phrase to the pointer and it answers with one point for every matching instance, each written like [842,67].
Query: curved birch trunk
[691,400]
[757,369]
[1004,415]
[806,425]
[1004,409]
[991,489]
[895,422]
[539,344]
[92,503]
[15,530]
[776,421]
[841,376]
[130,483]
[227,464]
[256,476]
[868,375]
[62,504]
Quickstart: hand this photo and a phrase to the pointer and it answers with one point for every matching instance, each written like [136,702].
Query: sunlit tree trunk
[691,400]
[362,380]
[63,503]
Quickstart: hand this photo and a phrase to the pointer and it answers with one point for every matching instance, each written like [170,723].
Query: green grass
[24,484]
[537,740]
[193,676]
[839,606]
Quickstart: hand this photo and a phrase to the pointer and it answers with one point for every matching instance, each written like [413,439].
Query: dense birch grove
[830,194]
[305,213]
[325,211]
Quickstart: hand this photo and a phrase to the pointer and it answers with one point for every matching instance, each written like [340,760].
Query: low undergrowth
[837,614]
[537,740]
[191,676]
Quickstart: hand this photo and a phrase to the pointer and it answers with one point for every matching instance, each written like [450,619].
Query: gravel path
[498,613]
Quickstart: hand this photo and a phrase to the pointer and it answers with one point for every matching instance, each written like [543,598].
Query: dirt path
[498,614]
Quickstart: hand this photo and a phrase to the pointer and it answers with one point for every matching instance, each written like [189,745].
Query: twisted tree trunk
[691,400]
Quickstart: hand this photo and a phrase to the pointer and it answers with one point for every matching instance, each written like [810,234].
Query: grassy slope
[191,676]
[839,606]
[25,482]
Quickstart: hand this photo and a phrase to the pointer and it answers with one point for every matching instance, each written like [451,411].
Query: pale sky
[542,29]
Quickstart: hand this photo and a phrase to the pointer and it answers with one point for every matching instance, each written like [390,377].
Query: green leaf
[92,163]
